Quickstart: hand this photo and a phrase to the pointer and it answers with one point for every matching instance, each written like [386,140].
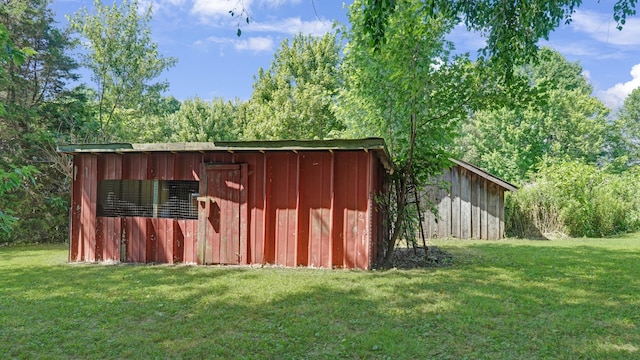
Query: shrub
[575,199]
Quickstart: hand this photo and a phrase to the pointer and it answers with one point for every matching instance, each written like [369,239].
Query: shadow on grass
[508,301]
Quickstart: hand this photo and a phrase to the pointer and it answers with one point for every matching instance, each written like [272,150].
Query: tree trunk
[424,241]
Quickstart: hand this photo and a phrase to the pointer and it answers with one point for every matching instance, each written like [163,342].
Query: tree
[10,55]
[197,120]
[123,59]
[627,131]
[566,123]
[512,28]
[9,182]
[412,92]
[33,85]
[193,120]
[293,99]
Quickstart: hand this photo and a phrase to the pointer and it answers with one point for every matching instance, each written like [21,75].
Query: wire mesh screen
[174,199]
[178,199]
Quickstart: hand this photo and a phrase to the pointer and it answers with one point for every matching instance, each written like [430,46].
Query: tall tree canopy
[124,61]
[566,123]
[194,120]
[40,78]
[293,99]
[512,27]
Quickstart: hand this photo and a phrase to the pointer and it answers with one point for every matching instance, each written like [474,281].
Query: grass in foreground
[501,300]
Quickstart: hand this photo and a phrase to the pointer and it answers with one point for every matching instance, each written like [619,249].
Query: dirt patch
[412,258]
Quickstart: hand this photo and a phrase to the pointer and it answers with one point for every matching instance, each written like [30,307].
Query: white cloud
[219,8]
[278,3]
[615,95]
[602,27]
[292,26]
[159,5]
[583,50]
[255,44]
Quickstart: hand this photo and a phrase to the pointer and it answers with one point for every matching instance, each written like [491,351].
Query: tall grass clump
[575,199]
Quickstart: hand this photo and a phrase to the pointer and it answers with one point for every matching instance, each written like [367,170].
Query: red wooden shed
[289,203]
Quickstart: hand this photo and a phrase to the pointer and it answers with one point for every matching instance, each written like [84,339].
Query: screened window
[174,199]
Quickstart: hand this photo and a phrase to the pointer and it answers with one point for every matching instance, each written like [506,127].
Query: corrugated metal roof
[485,174]
[373,144]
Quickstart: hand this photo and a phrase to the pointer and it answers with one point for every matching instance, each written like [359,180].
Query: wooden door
[220,215]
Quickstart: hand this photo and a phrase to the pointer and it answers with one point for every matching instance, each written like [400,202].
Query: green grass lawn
[511,299]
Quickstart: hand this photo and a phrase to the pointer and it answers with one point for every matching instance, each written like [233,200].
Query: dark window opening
[174,199]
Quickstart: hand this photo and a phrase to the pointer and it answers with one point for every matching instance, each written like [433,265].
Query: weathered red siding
[294,208]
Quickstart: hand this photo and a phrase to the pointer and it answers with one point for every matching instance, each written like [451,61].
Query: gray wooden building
[471,206]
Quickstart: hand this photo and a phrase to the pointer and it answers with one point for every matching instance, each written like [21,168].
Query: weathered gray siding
[470,207]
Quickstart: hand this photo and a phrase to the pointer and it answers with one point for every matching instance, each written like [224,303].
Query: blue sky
[214,62]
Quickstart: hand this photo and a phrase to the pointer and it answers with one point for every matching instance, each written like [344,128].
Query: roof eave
[481,172]
[369,144]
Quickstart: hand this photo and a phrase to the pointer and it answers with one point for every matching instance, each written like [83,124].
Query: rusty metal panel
[87,181]
[373,219]
[255,196]
[108,230]
[340,190]
[363,238]
[178,243]
[162,168]
[187,235]
[114,239]
[108,238]
[251,202]
[351,205]
[99,235]
[151,243]
[134,167]
[244,213]
[76,209]
[220,215]
[186,166]
[204,219]
[314,222]
[218,158]
[135,230]
[91,184]
[282,199]
[162,240]
[230,205]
